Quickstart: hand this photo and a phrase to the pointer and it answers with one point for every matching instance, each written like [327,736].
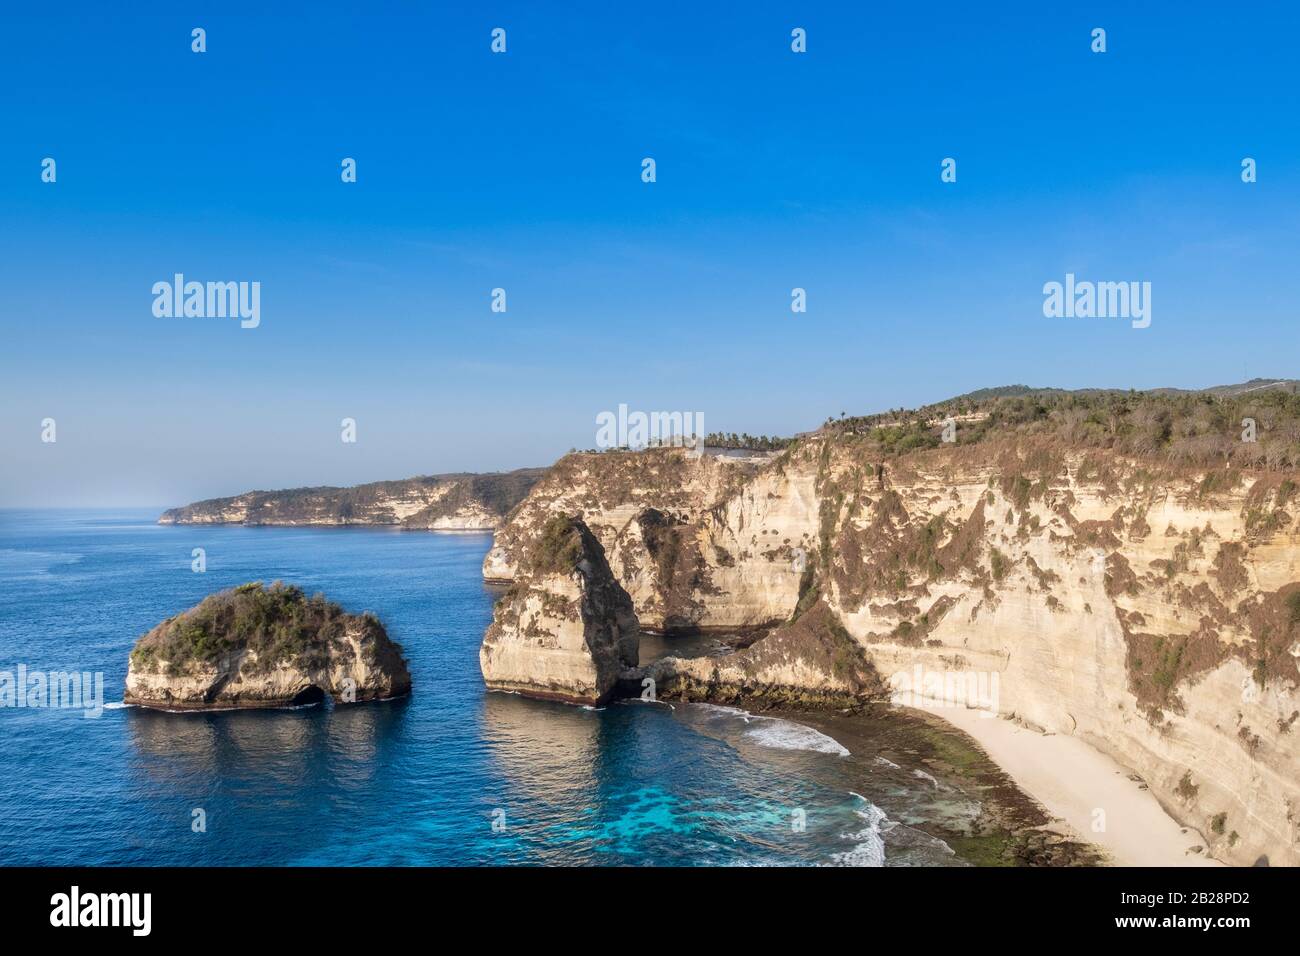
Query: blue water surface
[452,775]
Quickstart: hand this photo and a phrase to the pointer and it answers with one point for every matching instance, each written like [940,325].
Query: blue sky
[522,171]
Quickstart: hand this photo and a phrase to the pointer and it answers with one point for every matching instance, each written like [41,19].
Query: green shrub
[558,548]
[278,623]
[999,563]
[1293,608]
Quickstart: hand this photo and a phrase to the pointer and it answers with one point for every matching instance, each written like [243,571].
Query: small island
[264,647]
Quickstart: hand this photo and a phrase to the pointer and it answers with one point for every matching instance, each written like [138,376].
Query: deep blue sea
[417,781]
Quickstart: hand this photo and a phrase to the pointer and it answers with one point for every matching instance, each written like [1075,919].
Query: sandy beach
[1072,781]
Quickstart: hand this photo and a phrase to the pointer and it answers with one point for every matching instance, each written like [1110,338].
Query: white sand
[1071,780]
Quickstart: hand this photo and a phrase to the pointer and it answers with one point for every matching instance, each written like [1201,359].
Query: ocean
[452,775]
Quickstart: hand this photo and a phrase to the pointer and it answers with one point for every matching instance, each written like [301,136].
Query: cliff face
[644,508]
[438,503]
[566,630]
[264,647]
[1152,611]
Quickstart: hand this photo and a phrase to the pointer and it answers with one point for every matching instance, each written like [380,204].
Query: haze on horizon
[522,171]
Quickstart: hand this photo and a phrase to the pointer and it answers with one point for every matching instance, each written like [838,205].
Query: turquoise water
[452,775]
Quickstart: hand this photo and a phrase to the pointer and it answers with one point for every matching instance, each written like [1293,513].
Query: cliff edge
[1123,567]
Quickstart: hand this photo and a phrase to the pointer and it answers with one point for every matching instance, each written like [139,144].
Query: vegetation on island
[278,623]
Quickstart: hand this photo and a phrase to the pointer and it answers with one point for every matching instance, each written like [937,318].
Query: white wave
[787,735]
[869,849]
[901,835]
[925,776]
[226,710]
[778,733]
[744,715]
[644,700]
[117,705]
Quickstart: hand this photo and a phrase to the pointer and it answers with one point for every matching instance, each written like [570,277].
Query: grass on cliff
[279,623]
[663,543]
[558,549]
[1202,429]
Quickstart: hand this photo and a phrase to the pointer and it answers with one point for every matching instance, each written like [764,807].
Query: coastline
[1071,779]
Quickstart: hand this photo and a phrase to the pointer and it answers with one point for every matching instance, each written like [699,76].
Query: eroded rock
[253,647]
[565,629]
[810,663]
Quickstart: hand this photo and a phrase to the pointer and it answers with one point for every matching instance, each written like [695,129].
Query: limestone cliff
[264,647]
[1127,572]
[566,629]
[437,503]
[644,507]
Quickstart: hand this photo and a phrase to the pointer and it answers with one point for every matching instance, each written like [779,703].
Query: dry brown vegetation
[277,623]
[1188,429]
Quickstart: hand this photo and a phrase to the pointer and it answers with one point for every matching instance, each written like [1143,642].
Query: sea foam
[869,848]
[787,735]
[778,733]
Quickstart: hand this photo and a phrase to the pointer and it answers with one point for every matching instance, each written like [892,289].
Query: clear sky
[522,171]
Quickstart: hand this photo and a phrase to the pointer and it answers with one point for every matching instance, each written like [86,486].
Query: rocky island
[457,502]
[255,646]
[1122,567]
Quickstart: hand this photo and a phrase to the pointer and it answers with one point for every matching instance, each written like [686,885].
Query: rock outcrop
[811,663]
[645,507]
[458,502]
[254,647]
[1094,555]
[565,630]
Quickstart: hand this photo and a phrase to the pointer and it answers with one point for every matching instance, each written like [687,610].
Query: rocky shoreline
[1149,610]
[1011,828]
[566,630]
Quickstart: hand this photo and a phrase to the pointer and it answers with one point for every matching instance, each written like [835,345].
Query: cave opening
[308,695]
